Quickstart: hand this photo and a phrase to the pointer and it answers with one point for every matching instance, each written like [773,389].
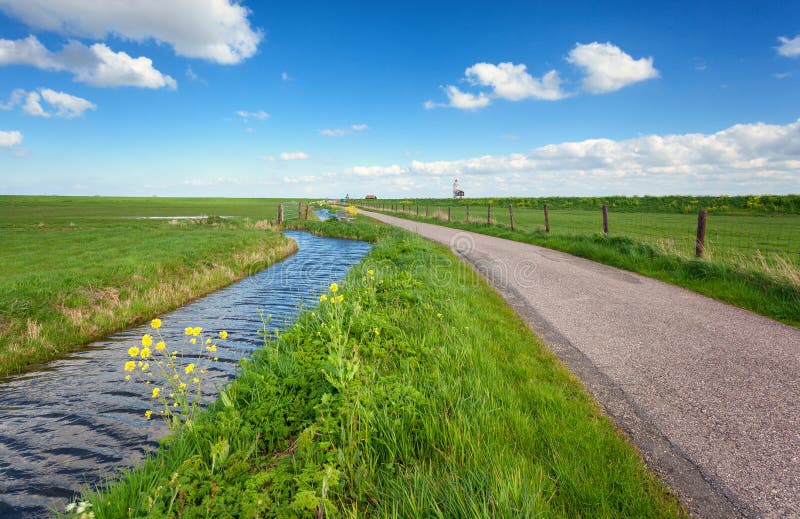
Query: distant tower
[457,192]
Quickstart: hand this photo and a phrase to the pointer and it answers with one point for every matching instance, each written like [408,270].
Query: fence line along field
[77,268]
[738,228]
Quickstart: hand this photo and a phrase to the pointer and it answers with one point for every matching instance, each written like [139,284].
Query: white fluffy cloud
[10,139]
[742,158]
[608,68]
[217,30]
[95,65]
[341,132]
[789,47]
[261,115]
[512,82]
[65,105]
[293,155]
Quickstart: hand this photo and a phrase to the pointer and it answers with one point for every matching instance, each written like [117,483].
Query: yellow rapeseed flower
[148,414]
[371,272]
[208,341]
[195,380]
[127,377]
[156,391]
[133,351]
[130,366]
[188,330]
[212,348]
[145,352]
[196,331]
[161,346]
[223,335]
[334,287]
[193,341]
[323,298]
[189,368]
[145,367]
[155,324]
[183,385]
[147,340]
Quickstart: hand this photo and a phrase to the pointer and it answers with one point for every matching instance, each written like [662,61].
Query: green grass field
[77,268]
[420,394]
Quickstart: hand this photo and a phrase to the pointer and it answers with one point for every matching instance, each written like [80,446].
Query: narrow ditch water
[75,421]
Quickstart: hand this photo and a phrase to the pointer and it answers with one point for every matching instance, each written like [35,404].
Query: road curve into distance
[709,393]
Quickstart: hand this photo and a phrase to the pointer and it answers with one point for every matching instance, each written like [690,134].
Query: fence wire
[730,238]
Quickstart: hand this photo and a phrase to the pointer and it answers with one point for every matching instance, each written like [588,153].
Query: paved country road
[710,393]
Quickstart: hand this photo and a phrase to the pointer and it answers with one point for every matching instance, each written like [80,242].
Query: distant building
[370,197]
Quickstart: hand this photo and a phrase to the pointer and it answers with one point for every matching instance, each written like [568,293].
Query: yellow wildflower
[212,348]
[175,404]
[145,352]
[377,331]
[156,391]
[188,330]
[334,287]
[339,298]
[133,351]
[161,346]
[147,340]
[145,366]
[208,341]
[189,368]
[223,335]
[155,324]
[439,316]
[323,298]
[195,380]
[182,385]
[196,331]
[216,359]
[193,341]
[371,272]
[148,414]
[127,377]
[130,365]
[139,363]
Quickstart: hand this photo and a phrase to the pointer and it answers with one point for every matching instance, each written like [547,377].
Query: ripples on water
[74,421]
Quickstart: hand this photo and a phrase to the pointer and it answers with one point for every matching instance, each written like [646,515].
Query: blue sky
[524,99]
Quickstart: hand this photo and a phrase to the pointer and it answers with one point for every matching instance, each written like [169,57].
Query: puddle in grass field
[74,422]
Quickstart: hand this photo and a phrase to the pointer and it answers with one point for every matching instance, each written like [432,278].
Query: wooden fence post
[605,219]
[467,214]
[700,242]
[448,213]
[417,210]
[426,211]
[511,215]
[280,214]
[299,209]
[306,218]
[546,219]
[489,214]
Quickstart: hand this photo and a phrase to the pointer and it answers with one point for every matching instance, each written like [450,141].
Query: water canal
[73,422]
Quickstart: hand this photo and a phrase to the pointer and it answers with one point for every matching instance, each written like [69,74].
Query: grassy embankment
[77,268]
[753,259]
[420,394]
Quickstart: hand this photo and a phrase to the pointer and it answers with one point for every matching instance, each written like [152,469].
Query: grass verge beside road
[419,393]
[769,289]
[71,273]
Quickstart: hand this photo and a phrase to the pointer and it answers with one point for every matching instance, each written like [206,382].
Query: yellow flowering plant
[174,379]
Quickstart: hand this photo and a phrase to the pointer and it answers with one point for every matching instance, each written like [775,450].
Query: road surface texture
[707,391]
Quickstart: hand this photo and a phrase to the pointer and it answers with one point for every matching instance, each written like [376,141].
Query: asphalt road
[710,393]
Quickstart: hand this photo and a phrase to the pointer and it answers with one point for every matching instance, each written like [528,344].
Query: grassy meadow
[413,390]
[752,260]
[78,268]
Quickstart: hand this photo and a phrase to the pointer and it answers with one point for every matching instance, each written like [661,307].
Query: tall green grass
[420,394]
